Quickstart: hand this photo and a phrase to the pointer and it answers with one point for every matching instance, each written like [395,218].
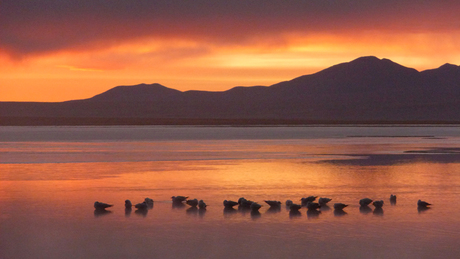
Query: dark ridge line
[396,136]
[69,121]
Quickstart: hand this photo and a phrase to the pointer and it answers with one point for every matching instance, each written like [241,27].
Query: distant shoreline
[52,121]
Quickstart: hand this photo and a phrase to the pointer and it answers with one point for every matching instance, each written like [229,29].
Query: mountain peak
[366,59]
[448,66]
[367,66]
[136,93]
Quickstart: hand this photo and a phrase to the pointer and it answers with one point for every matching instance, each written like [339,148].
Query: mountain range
[365,90]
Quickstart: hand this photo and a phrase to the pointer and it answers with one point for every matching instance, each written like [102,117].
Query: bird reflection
[378,211]
[243,209]
[141,212]
[294,214]
[365,209]
[201,212]
[255,214]
[192,211]
[230,210]
[101,212]
[178,205]
[339,213]
[421,209]
[325,207]
[272,210]
[128,212]
[313,213]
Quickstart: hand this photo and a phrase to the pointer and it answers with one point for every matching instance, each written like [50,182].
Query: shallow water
[51,176]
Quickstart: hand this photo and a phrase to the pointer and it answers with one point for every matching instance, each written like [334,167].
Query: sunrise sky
[57,50]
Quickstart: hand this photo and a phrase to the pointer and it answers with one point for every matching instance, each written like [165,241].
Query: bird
[323,201]
[275,204]
[230,204]
[202,204]
[101,205]
[308,199]
[423,204]
[128,204]
[339,206]
[141,206]
[313,205]
[289,203]
[365,201]
[378,204]
[244,203]
[295,207]
[192,203]
[255,206]
[178,199]
[392,198]
[149,202]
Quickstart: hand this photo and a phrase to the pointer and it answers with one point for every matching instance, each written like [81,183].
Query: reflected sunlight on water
[47,191]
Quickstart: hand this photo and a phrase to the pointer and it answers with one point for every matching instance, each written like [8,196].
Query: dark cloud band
[37,26]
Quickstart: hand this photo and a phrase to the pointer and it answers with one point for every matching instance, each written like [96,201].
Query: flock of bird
[308,202]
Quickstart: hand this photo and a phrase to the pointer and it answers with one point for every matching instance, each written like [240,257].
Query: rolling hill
[365,90]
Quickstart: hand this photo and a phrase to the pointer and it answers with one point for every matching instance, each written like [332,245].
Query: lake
[50,178]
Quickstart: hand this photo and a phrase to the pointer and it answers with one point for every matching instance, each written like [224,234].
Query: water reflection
[294,214]
[325,207]
[141,212]
[243,209]
[378,211]
[178,205]
[128,212]
[255,214]
[227,235]
[228,211]
[192,211]
[201,212]
[101,212]
[365,209]
[273,210]
[339,213]
[421,209]
[313,213]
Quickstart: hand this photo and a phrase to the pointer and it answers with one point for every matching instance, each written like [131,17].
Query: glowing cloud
[79,49]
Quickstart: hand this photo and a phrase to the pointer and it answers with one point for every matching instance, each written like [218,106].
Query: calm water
[51,176]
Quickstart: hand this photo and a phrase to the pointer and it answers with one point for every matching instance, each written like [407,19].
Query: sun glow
[191,64]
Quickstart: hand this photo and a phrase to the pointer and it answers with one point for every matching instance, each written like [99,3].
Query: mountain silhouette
[365,90]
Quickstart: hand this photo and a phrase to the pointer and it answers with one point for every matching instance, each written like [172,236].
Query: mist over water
[51,176]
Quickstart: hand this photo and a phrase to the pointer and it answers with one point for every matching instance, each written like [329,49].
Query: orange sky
[62,50]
